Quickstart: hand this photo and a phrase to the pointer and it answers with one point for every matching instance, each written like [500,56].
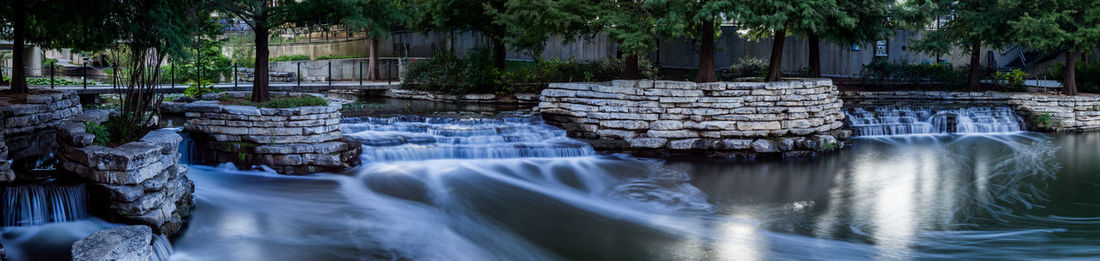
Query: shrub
[1011,81]
[334,57]
[748,67]
[102,137]
[943,76]
[295,57]
[196,90]
[1088,76]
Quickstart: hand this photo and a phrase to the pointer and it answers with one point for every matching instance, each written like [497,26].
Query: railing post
[52,70]
[329,72]
[172,83]
[389,74]
[299,74]
[234,75]
[85,69]
[360,73]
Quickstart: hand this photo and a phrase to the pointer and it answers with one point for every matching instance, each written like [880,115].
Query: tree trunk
[499,53]
[19,67]
[706,55]
[815,56]
[260,91]
[973,79]
[1069,85]
[775,65]
[630,67]
[372,61]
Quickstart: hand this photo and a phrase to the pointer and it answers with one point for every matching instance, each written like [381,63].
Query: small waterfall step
[40,204]
[425,138]
[904,120]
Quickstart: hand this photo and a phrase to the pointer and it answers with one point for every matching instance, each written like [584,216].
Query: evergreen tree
[261,16]
[969,26]
[632,25]
[779,18]
[1065,25]
[78,24]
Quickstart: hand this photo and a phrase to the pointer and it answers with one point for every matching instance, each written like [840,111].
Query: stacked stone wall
[28,122]
[6,174]
[139,182]
[790,118]
[299,140]
[1043,112]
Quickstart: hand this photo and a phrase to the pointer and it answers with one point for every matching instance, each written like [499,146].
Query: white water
[893,120]
[419,138]
[34,204]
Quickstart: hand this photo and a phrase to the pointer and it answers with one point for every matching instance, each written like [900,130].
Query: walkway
[244,86]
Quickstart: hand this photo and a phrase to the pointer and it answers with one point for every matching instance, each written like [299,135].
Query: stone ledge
[517,98]
[1063,113]
[789,118]
[129,243]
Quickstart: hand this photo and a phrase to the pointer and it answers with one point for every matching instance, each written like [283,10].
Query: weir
[904,120]
[424,138]
[40,204]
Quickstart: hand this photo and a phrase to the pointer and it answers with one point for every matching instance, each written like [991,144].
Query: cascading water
[162,248]
[40,204]
[423,138]
[893,120]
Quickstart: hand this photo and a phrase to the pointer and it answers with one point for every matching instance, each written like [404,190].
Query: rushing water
[512,188]
[904,120]
[515,189]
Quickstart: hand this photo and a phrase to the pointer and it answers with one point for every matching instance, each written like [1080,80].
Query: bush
[102,137]
[475,73]
[1011,81]
[334,57]
[196,90]
[1088,76]
[942,76]
[748,67]
[285,58]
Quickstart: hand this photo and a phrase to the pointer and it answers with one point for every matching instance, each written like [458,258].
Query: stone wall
[129,243]
[517,98]
[789,118]
[27,123]
[140,182]
[6,175]
[1043,112]
[300,140]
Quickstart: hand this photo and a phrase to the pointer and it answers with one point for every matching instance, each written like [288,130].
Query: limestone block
[673,134]
[651,143]
[129,243]
[625,124]
[764,146]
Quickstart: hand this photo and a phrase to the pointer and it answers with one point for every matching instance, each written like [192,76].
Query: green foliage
[748,67]
[1011,81]
[883,74]
[102,137]
[47,62]
[1044,121]
[212,65]
[1088,76]
[282,102]
[57,82]
[196,90]
[293,57]
[475,74]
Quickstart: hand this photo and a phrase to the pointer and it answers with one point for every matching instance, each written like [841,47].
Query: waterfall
[424,138]
[33,204]
[162,248]
[895,120]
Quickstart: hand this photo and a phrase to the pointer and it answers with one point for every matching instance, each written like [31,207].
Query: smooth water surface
[438,189]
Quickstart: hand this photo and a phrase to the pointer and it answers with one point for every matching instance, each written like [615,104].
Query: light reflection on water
[956,197]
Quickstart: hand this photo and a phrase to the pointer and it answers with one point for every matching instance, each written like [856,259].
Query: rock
[129,243]
[764,146]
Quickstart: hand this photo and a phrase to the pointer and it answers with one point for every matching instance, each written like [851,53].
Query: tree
[148,31]
[375,17]
[697,20]
[972,24]
[261,16]
[853,22]
[779,18]
[632,24]
[81,25]
[1064,25]
[523,24]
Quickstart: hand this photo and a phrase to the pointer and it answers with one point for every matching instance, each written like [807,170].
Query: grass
[282,102]
[334,57]
[296,57]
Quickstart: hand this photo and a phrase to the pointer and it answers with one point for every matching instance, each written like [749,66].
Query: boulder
[129,243]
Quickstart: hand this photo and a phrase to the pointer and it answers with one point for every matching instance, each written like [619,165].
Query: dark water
[514,189]
[1010,196]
